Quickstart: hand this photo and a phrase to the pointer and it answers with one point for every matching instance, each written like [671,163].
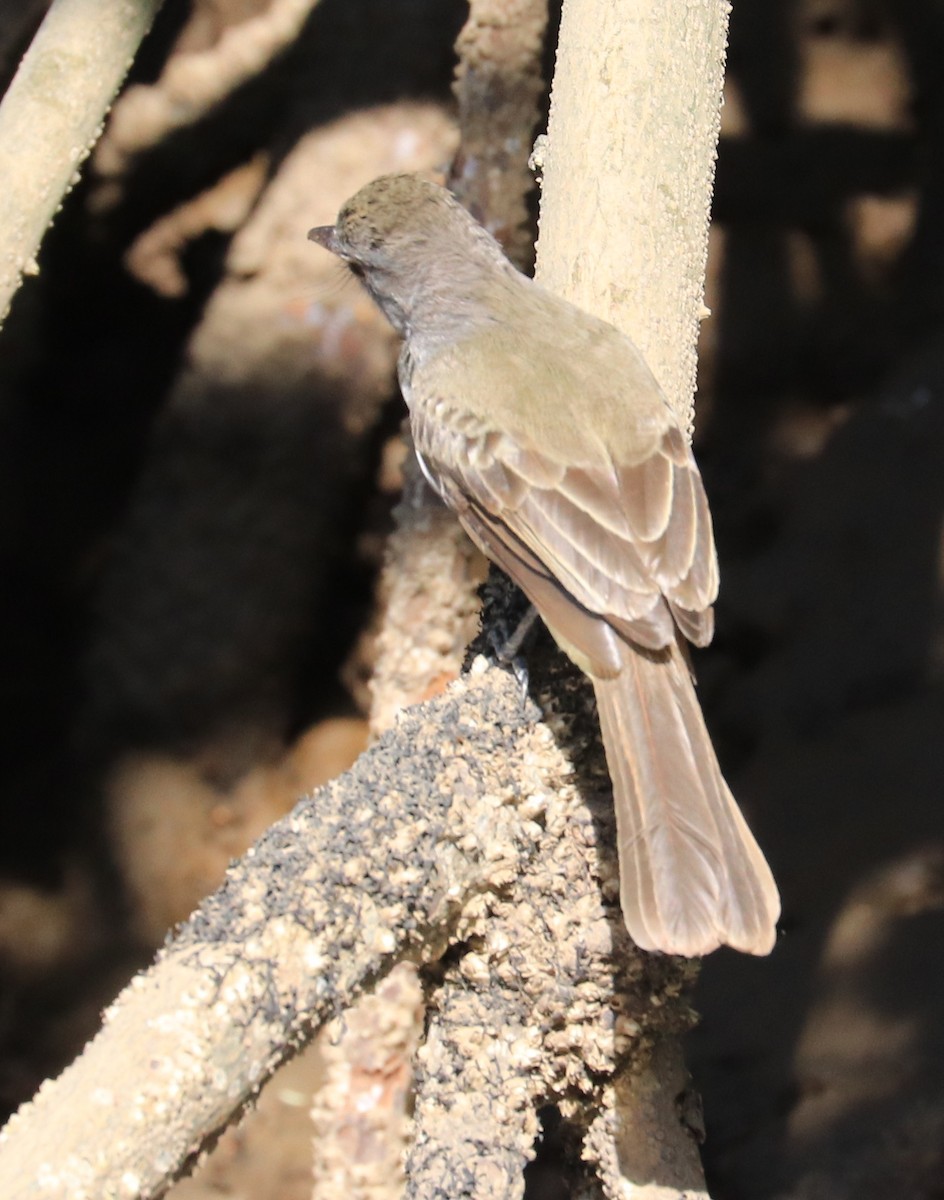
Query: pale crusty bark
[52,115]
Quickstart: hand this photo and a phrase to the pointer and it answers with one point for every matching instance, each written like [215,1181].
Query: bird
[546,432]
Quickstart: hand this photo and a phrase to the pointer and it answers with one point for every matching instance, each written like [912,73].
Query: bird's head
[405,238]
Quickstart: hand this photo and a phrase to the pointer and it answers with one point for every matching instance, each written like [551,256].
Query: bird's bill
[327,236]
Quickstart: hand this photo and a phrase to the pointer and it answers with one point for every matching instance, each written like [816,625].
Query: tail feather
[692,877]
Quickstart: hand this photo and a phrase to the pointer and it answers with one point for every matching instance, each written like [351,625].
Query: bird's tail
[692,877]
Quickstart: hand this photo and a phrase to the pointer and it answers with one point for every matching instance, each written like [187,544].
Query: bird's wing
[629,543]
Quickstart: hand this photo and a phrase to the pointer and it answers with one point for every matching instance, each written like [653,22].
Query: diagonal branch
[374,868]
[52,115]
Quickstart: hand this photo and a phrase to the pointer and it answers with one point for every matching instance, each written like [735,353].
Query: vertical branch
[499,85]
[628,172]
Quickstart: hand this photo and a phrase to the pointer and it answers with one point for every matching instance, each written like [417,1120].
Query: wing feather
[646,493]
[630,542]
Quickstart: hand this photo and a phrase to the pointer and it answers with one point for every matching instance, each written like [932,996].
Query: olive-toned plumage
[544,429]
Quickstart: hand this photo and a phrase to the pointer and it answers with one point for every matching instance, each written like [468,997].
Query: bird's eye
[356,269]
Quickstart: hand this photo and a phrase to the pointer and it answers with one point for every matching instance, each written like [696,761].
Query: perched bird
[543,428]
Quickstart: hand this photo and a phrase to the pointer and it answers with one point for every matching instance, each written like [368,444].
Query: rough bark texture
[461,797]
[51,117]
[628,167]
[301,925]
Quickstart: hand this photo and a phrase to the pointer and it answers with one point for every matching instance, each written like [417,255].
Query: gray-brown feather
[632,544]
[692,877]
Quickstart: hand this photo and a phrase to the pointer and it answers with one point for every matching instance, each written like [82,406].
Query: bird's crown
[394,208]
